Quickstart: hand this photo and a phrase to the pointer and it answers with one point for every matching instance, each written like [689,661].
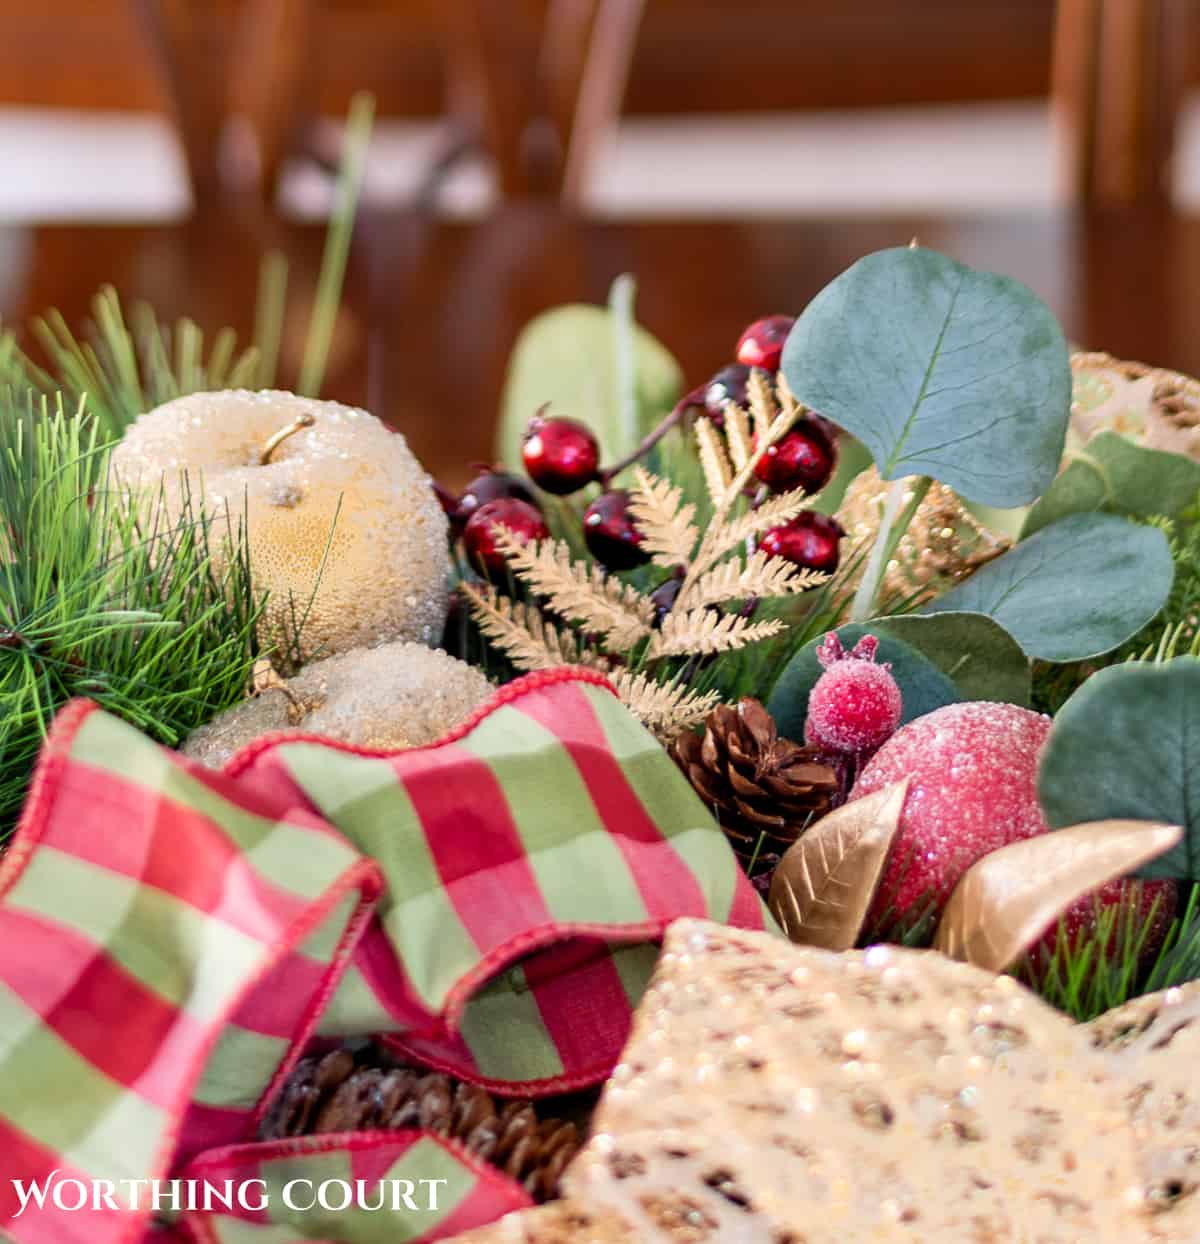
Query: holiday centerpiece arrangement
[346,818]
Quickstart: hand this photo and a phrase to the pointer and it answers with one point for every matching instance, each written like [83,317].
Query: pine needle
[579,590]
[761,576]
[669,533]
[665,709]
[703,631]
[520,631]
[718,474]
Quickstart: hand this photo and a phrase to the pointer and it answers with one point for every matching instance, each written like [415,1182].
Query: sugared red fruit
[728,385]
[492,484]
[612,536]
[1143,911]
[855,706]
[561,455]
[972,771]
[803,458]
[523,520]
[810,540]
[762,343]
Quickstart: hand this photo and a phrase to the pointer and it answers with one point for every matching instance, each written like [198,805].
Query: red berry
[479,536]
[855,706]
[612,536]
[491,484]
[561,455]
[728,385]
[762,343]
[972,771]
[803,458]
[810,540]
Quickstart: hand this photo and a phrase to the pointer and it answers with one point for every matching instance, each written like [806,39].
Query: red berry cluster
[562,456]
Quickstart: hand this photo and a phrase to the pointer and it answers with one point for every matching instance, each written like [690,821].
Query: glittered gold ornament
[393,696]
[943,545]
[1153,407]
[344,530]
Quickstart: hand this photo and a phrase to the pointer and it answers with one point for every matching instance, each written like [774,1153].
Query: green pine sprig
[153,619]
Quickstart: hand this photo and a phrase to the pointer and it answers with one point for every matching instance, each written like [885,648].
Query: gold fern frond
[737,434]
[668,533]
[772,513]
[520,631]
[718,474]
[579,591]
[760,397]
[761,576]
[662,708]
[697,632]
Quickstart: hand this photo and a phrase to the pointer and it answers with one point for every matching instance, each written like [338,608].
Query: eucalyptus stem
[892,526]
[337,246]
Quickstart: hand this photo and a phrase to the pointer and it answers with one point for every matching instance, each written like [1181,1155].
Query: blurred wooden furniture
[1120,69]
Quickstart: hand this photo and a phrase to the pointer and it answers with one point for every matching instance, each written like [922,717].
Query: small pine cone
[763,790]
[339,1093]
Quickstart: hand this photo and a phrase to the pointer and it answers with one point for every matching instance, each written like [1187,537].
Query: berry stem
[892,526]
[301,421]
[685,403]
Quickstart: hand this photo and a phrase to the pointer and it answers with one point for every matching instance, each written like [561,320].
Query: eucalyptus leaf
[974,651]
[939,370]
[568,357]
[922,684]
[1127,746]
[1114,474]
[1076,589]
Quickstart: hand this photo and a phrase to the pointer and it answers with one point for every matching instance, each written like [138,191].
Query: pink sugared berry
[810,541]
[1143,914]
[803,458]
[561,455]
[855,706]
[972,771]
[761,345]
[523,520]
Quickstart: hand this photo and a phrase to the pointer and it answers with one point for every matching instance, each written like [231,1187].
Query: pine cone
[342,1093]
[762,789]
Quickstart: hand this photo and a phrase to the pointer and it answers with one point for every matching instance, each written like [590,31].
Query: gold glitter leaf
[668,533]
[825,884]
[1007,900]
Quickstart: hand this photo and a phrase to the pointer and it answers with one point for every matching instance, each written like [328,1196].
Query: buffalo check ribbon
[171,938]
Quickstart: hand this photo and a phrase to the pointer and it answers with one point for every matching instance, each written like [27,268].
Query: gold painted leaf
[825,884]
[1007,900]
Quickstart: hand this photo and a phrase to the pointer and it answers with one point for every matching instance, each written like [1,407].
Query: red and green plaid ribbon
[170,938]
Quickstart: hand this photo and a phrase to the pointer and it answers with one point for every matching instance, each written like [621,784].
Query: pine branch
[665,709]
[699,632]
[668,533]
[737,434]
[762,576]
[718,474]
[579,590]
[522,633]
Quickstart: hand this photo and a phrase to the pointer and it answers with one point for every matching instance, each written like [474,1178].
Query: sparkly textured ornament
[943,545]
[973,788]
[855,706]
[762,789]
[397,695]
[368,1091]
[775,1093]
[1152,1046]
[1156,408]
[344,527]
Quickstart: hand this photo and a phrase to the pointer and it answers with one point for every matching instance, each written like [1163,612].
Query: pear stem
[301,421]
